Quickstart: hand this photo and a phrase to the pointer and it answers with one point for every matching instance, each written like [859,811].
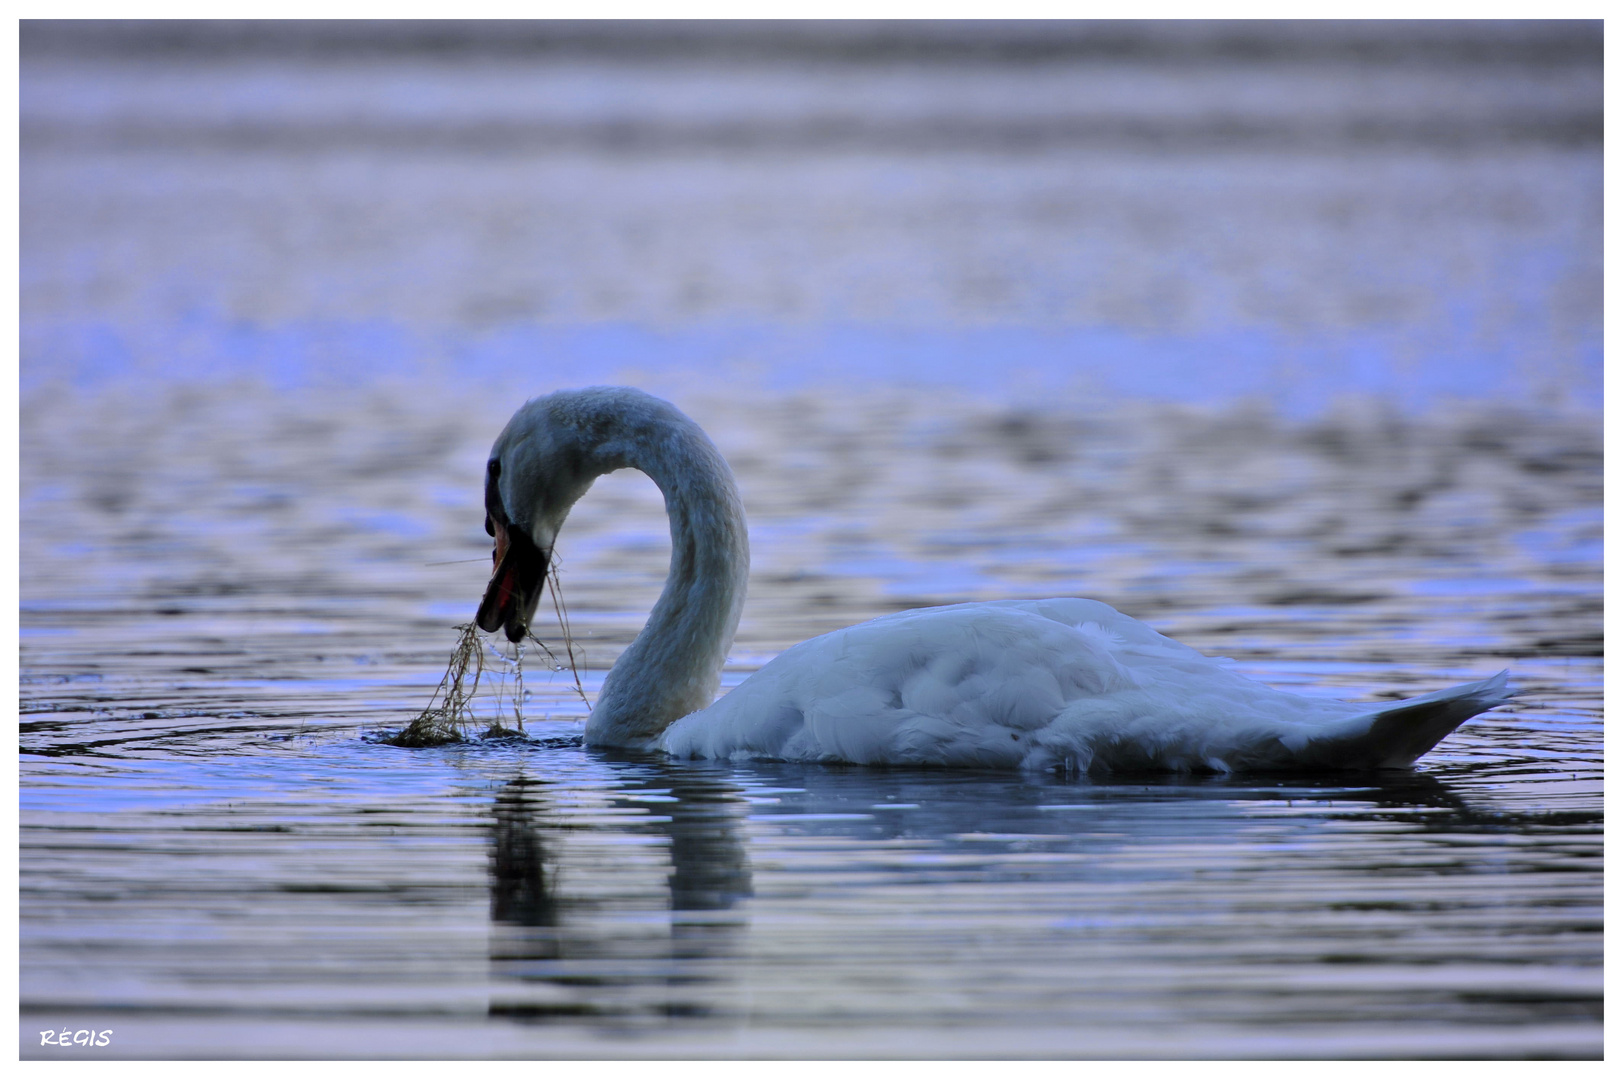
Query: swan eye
[495,513]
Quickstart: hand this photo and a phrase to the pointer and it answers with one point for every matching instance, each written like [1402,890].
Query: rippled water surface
[238,568]
[216,860]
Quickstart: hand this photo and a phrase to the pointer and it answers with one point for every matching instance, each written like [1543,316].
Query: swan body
[1037,684]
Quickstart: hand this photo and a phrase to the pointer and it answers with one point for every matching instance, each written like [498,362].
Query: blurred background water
[1285,338]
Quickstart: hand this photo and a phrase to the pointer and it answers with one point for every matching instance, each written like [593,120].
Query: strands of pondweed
[496,730]
[518,697]
[562,611]
[450,710]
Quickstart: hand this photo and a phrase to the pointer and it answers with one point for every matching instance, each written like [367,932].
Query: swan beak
[515,586]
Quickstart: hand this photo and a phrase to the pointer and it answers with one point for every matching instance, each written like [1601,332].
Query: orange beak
[515,584]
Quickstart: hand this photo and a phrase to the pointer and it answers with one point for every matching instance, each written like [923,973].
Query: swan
[1063,684]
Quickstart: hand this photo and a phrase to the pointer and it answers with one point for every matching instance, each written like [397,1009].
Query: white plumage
[1038,684]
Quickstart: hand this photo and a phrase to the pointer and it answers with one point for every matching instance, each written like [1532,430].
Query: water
[1325,405]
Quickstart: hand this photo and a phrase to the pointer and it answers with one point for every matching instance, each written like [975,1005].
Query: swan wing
[1068,683]
[939,686]
[968,685]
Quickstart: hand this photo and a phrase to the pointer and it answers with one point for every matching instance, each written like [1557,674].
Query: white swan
[1037,684]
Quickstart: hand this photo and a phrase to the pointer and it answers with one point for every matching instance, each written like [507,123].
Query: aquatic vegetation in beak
[449,715]
[450,711]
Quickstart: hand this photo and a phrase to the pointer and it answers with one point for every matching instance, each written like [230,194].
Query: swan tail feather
[1394,736]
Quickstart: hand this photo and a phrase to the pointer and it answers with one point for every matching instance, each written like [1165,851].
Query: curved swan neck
[674,666]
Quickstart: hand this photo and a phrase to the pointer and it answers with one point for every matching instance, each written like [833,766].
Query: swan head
[520,566]
[540,465]
[544,460]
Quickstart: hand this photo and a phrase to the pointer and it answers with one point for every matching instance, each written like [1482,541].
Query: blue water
[1298,377]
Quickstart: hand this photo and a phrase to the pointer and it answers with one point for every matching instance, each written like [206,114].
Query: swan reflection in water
[627,899]
[592,937]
